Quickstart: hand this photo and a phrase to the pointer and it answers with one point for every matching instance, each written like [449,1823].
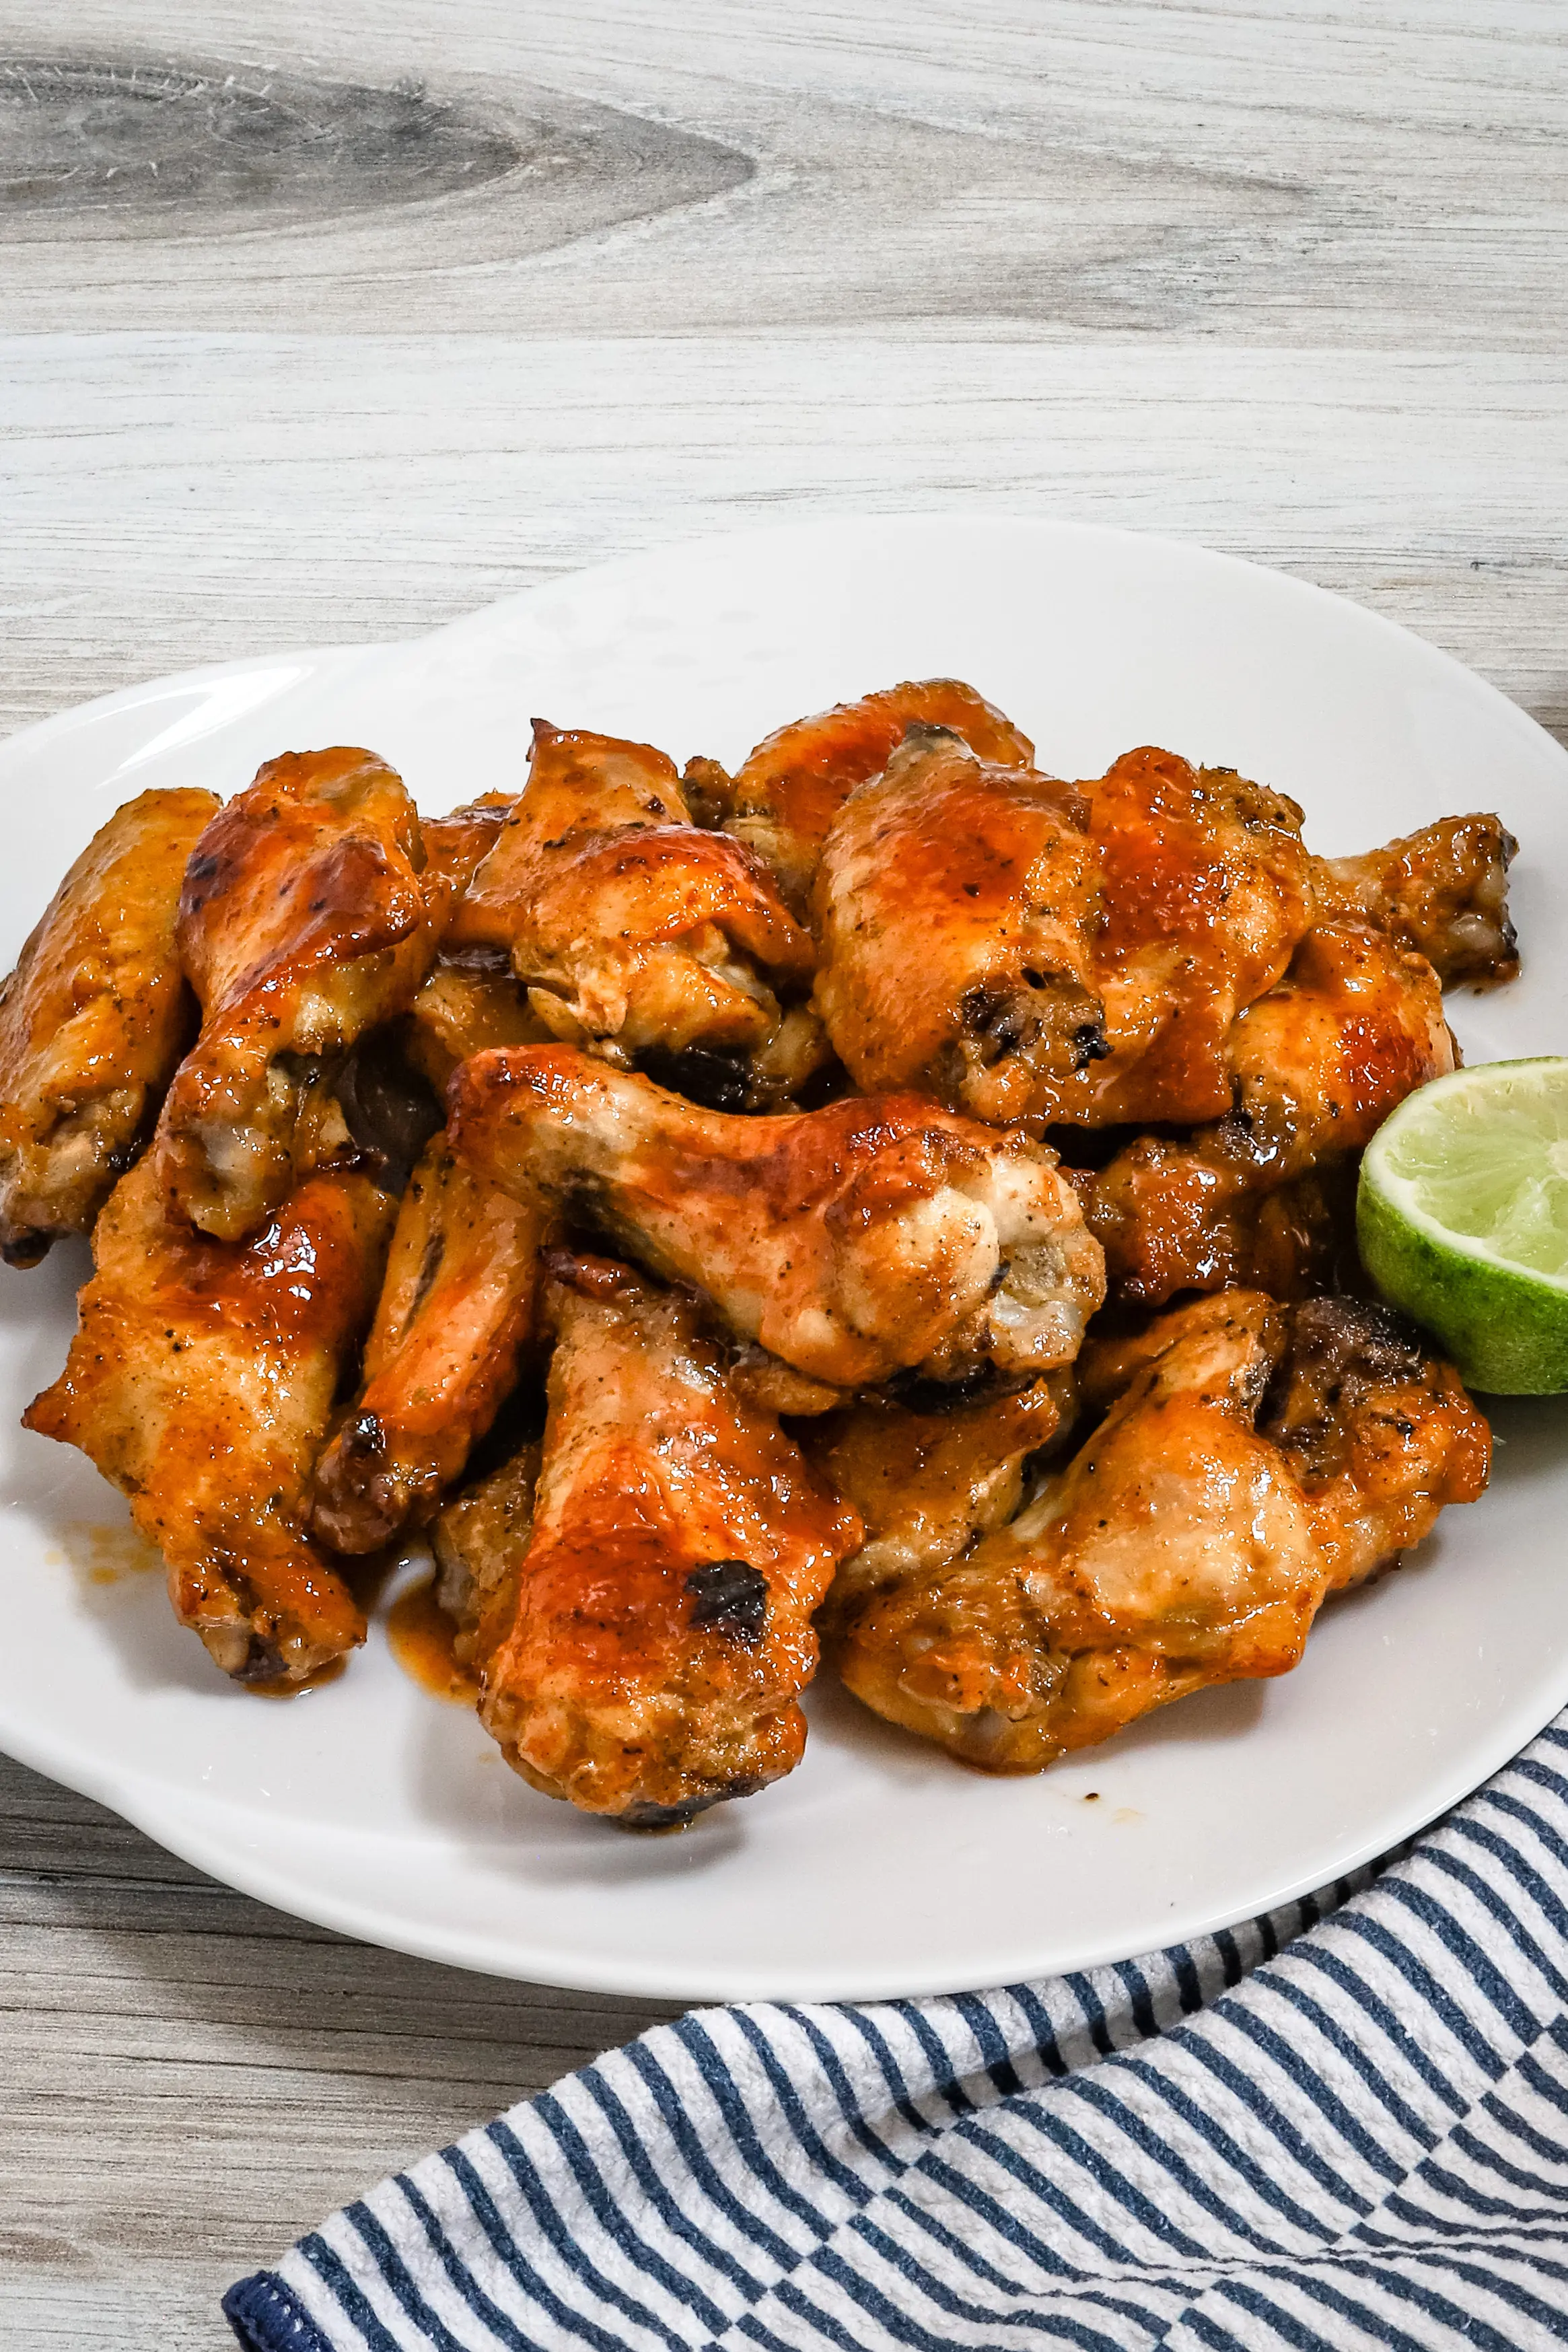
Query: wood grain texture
[429,299]
[188,2080]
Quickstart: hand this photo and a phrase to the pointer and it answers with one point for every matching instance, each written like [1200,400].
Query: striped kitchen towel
[1323,2131]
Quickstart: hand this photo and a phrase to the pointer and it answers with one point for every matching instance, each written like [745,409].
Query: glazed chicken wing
[1029,950]
[788,791]
[456,1312]
[1379,1432]
[1441,892]
[1312,1070]
[302,924]
[952,906]
[1205,891]
[926,1479]
[678,1545]
[200,1381]
[853,1242]
[635,931]
[1174,1550]
[92,1023]
[1251,1460]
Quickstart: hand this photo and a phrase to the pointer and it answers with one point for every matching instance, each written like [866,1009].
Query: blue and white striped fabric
[1321,2131]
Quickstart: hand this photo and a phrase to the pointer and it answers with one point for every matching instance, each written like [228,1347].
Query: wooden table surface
[327,325]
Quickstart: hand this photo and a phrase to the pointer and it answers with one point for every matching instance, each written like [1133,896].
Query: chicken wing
[200,1381]
[456,1312]
[952,906]
[1206,892]
[635,931]
[925,1482]
[1379,1431]
[1176,1550]
[302,924]
[679,1545]
[1441,892]
[789,790]
[852,1242]
[1251,1461]
[1312,1070]
[93,1021]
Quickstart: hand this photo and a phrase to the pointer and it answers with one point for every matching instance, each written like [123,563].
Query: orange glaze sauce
[281,1689]
[420,1632]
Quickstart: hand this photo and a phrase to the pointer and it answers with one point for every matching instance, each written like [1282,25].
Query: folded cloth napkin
[1323,2131]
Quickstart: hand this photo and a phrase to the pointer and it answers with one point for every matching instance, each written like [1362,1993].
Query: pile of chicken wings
[887,1201]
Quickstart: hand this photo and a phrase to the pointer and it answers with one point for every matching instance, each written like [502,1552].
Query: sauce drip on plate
[420,1634]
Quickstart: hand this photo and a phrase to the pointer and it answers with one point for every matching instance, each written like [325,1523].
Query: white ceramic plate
[880,1868]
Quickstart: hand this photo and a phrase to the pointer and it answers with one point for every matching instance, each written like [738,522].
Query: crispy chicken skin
[1174,1550]
[678,1545]
[633,930]
[455,1315]
[853,1242]
[926,1482]
[1378,1431]
[1249,1461]
[952,906]
[200,1381]
[1441,892]
[302,924]
[93,1021]
[1205,893]
[1312,1070]
[789,790]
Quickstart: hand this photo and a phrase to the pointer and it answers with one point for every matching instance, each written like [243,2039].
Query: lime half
[1462,1220]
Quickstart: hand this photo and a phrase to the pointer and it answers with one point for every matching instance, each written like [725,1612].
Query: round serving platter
[879,1868]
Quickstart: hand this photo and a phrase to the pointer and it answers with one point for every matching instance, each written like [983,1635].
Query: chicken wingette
[303,925]
[1312,1070]
[201,1381]
[1251,1460]
[93,1021]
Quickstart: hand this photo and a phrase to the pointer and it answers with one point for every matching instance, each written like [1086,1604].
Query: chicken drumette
[1247,1466]
[93,1021]
[201,1381]
[303,925]
[853,1242]
[676,1546]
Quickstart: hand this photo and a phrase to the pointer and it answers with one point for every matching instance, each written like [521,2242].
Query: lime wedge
[1462,1220]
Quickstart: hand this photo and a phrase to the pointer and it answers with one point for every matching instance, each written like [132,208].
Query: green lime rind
[1505,1326]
